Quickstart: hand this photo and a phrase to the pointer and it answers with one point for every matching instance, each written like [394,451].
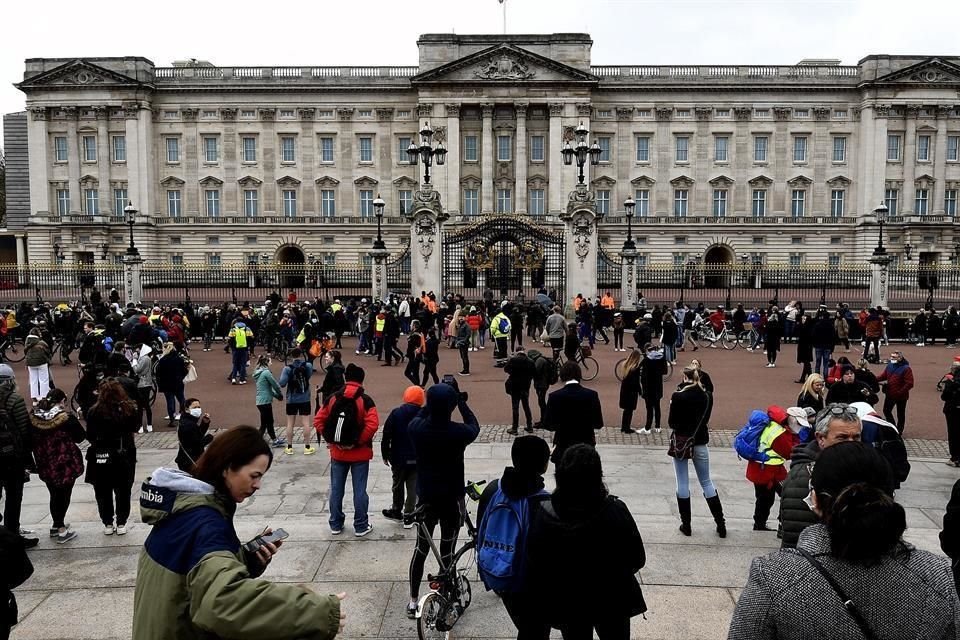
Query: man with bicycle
[439,444]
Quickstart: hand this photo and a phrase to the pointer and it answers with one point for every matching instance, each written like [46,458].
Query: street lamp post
[379,251]
[629,205]
[881,213]
[426,152]
[131,214]
[582,152]
[378,205]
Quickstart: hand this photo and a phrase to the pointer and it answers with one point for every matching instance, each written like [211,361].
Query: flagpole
[503,3]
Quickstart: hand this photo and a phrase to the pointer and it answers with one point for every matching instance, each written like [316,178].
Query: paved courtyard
[84,590]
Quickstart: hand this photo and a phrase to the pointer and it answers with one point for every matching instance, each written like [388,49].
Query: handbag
[681,447]
[191,374]
[848,604]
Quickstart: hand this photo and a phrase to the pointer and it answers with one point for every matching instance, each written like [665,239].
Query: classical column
[520,198]
[135,158]
[73,161]
[872,158]
[104,155]
[628,278]
[426,261]
[910,161]
[308,158]
[940,160]
[378,274]
[453,157]
[580,217]
[624,155]
[487,157]
[39,162]
[555,202]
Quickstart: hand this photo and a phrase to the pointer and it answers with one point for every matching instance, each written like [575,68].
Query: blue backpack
[501,542]
[747,441]
[504,325]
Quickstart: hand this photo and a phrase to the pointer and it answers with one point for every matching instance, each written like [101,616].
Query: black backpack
[343,425]
[299,379]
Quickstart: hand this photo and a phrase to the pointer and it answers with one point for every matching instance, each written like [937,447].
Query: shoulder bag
[848,604]
[681,447]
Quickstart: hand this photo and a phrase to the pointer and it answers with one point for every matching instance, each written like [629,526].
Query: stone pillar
[132,286]
[487,155]
[426,260]
[378,273]
[908,195]
[878,279]
[628,278]
[453,156]
[38,144]
[581,240]
[520,198]
[940,160]
[555,160]
[21,258]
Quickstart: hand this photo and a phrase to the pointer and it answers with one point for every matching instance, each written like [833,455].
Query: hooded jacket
[194,580]
[193,438]
[367,414]
[899,379]
[267,387]
[37,352]
[439,444]
[396,447]
[543,369]
[795,515]
[17,433]
[55,434]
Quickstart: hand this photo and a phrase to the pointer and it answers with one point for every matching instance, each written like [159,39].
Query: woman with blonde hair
[690,408]
[630,389]
[813,394]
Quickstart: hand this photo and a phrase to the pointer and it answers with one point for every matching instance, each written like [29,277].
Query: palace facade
[762,163]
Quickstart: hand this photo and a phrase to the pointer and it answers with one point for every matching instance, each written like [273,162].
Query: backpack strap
[848,604]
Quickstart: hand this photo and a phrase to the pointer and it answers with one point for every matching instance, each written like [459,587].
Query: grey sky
[359,32]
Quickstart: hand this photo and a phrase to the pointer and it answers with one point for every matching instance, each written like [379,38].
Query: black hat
[353,373]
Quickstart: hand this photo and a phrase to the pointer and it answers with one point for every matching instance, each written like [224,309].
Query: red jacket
[474,321]
[367,411]
[899,379]
[770,474]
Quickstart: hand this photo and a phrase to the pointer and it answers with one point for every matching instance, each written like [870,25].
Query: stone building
[727,164]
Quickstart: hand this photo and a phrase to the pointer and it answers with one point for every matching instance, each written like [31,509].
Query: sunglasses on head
[840,409]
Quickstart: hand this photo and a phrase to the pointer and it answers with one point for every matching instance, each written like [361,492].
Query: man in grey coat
[834,425]
[556,329]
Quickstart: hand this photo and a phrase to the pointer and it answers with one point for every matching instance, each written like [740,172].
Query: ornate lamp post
[581,152]
[131,215]
[426,152]
[378,205]
[881,213]
[629,206]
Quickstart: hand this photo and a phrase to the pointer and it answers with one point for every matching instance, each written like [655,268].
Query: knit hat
[777,414]
[353,373]
[415,395]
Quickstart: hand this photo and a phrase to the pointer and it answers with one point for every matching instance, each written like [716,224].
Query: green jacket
[195,581]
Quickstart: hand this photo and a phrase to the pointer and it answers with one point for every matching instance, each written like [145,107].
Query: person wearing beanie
[351,458]
[396,447]
[767,478]
[850,390]
[521,482]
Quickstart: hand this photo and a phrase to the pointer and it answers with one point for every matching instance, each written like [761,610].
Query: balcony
[698,220]
[275,219]
[167,76]
[729,74]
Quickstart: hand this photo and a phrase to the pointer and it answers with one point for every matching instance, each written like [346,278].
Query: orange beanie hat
[415,395]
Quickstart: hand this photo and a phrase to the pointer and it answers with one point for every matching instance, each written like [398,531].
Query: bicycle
[450,593]
[62,347]
[588,364]
[11,349]
[618,369]
[279,348]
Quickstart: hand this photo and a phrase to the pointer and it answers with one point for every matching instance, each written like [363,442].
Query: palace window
[798,203]
[603,202]
[402,144]
[760,148]
[536,202]
[504,201]
[920,204]
[212,200]
[366,149]
[288,149]
[406,201]
[719,203]
[680,201]
[923,148]
[289,202]
[328,202]
[800,148]
[642,198]
[470,148]
[953,148]
[891,198]
[796,259]
[536,149]
[893,147]
[251,203]
[366,203]
[173,150]
[326,150]
[950,202]
[119,149]
[471,202]
[643,148]
[759,203]
[837,197]
[604,143]
[720,148]
[682,149]
[249,149]
[89,148]
[63,201]
[211,149]
[503,148]
[60,149]
[119,201]
[839,149]
[174,203]
[91,198]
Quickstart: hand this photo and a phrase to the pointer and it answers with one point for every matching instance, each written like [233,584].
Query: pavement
[84,589]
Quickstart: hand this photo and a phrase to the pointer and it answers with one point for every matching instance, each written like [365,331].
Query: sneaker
[243,382]
[482,347]
[512,431]
[952,463]
[288,450]
[364,532]
[279,442]
[121,529]
[334,531]
[463,373]
[392,514]
[149,428]
[644,432]
[408,522]
[658,429]
[25,532]
[412,610]
[54,532]
[108,530]
[141,430]
[29,543]
[165,418]
[176,417]
[66,536]
[357,352]
[233,381]
[309,451]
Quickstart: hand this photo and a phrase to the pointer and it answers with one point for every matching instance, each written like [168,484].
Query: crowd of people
[832,458]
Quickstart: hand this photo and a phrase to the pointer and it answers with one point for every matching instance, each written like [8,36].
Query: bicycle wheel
[466,593]
[13,351]
[589,367]
[704,339]
[618,369]
[433,609]
[729,340]
[64,356]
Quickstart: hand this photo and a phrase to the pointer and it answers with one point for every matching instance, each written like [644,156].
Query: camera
[448,378]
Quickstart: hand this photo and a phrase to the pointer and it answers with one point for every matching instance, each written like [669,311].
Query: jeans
[11,481]
[404,488]
[449,517]
[465,357]
[701,464]
[338,482]
[670,352]
[820,361]
[617,338]
[266,420]
[172,398]
[59,503]
[542,401]
[517,399]
[653,411]
[143,404]
[412,371]
[240,358]
[901,406]
[113,487]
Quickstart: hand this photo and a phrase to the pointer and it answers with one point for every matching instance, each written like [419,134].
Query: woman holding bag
[690,408]
[38,357]
[172,368]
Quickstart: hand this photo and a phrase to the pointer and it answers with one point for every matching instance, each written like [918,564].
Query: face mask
[196,412]
[808,500]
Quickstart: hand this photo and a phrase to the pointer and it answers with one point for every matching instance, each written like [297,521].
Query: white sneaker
[149,428]
[122,530]
[141,430]
[108,530]
[644,432]
[658,429]
[176,417]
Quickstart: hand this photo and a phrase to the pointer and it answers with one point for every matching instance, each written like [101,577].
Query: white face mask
[196,412]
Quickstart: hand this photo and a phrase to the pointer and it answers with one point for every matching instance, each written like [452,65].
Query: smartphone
[274,536]
[449,379]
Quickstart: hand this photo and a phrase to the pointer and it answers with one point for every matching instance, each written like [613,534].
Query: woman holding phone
[195,578]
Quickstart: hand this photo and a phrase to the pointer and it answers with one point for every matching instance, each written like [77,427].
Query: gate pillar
[581,239]
[379,273]
[879,284]
[132,285]
[425,242]
[628,278]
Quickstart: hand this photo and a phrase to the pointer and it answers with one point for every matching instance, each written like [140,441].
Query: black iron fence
[609,271]
[398,273]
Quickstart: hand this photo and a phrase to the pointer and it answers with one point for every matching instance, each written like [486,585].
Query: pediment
[77,73]
[405,181]
[211,181]
[365,181]
[643,182]
[800,181]
[682,182]
[721,181]
[603,182]
[172,181]
[288,181]
[760,181]
[250,181]
[327,181]
[537,181]
[839,181]
[504,64]
[935,71]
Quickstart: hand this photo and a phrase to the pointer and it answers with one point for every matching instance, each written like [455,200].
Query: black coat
[571,546]
[804,337]
[396,447]
[849,393]
[573,413]
[805,400]
[193,438]
[651,377]
[522,371]
[690,412]
[795,515]
[107,430]
[824,334]
[171,369]
[630,389]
